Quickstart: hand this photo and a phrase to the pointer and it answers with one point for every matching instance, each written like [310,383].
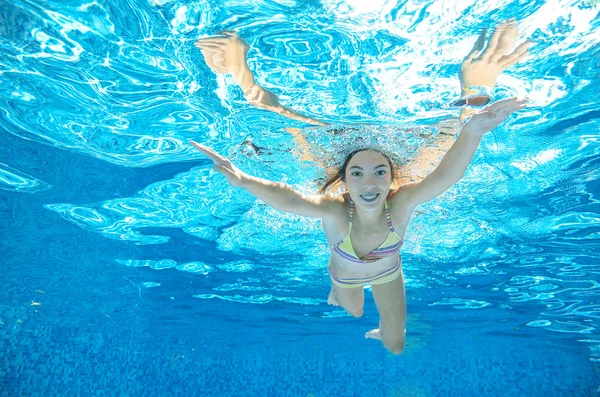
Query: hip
[385,276]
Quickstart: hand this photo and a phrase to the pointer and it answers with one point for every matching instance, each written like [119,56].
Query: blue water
[129,267]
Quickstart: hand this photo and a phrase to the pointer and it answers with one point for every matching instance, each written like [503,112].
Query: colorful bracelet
[475,96]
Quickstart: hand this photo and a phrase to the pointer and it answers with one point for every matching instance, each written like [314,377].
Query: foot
[373,334]
[331,299]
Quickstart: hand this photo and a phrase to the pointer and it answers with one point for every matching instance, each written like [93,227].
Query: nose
[369,185]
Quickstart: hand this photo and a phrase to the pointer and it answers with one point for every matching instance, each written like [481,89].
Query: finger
[512,107]
[509,101]
[212,59]
[489,114]
[223,169]
[226,172]
[510,23]
[508,64]
[503,102]
[515,105]
[477,47]
[519,53]
[218,59]
[208,54]
[211,46]
[506,41]
[202,148]
[510,111]
[501,105]
[214,156]
[523,47]
[508,26]
[522,103]
[210,39]
[220,168]
[229,33]
[491,47]
[213,40]
[207,44]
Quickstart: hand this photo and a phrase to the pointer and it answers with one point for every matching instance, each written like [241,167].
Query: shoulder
[400,199]
[335,203]
[336,208]
[402,192]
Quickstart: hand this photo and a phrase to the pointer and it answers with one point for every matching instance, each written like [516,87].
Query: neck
[367,218]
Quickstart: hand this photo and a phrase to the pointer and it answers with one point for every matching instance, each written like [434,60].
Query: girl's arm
[455,162]
[227,55]
[480,68]
[278,195]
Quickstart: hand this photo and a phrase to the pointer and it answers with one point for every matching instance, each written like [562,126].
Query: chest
[366,241]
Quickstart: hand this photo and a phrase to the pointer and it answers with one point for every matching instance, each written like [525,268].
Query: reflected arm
[480,68]
[265,99]
[227,55]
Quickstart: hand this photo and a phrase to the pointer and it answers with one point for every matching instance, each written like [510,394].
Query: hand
[493,115]
[222,165]
[224,55]
[484,69]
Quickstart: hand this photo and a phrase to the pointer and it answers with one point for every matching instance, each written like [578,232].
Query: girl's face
[368,179]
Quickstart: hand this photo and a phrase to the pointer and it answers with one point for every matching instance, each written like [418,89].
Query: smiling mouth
[369,198]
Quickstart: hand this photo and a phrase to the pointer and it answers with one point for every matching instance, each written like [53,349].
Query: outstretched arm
[227,55]
[455,162]
[278,195]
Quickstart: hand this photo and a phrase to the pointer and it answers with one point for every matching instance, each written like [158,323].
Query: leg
[351,299]
[390,299]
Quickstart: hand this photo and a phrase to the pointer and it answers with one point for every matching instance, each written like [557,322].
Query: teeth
[369,196]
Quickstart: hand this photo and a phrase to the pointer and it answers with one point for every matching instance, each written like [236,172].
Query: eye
[356,173]
[380,172]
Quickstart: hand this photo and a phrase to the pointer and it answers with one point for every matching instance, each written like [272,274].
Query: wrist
[244,77]
[466,112]
[472,132]
[474,96]
[478,78]
[245,180]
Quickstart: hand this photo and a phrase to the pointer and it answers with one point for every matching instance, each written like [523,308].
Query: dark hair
[337,176]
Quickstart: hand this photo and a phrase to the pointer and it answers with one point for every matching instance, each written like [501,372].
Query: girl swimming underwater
[366,224]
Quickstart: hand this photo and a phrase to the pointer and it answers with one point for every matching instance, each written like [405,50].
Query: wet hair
[338,176]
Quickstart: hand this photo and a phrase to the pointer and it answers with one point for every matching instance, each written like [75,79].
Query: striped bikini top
[389,247]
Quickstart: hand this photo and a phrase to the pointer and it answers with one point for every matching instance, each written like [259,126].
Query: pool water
[130,267]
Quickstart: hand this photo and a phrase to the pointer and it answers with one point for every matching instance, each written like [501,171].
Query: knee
[394,344]
[357,312]
[356,309]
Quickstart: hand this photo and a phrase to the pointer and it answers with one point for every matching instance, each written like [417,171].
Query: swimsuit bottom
[381,278]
